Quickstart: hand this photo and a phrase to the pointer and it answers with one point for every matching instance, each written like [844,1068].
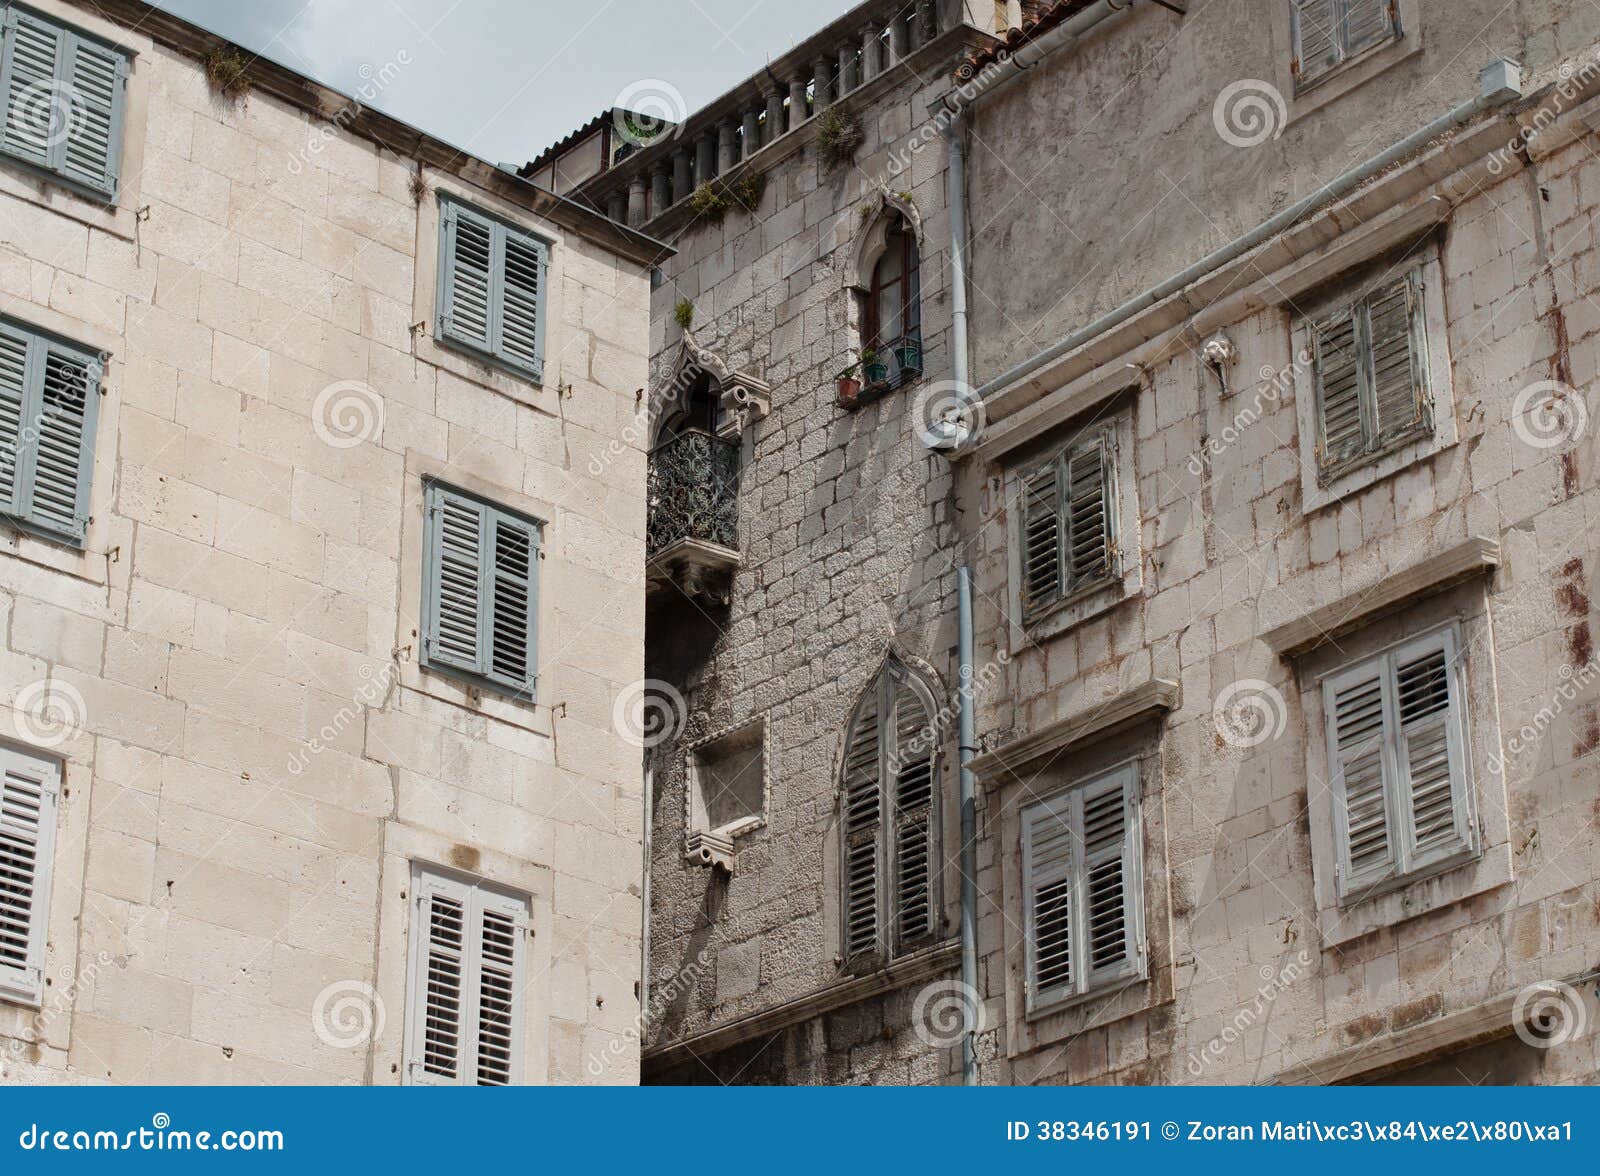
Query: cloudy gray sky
[505,78]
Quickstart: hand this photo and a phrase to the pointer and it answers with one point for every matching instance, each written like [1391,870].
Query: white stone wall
[257,757]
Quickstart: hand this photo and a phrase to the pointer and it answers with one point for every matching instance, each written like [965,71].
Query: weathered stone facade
[252,757]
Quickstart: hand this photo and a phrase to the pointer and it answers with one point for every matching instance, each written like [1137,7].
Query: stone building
[314,615]
[1274,483]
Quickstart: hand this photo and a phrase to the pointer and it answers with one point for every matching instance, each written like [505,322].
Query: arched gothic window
[889,804]
[893,318]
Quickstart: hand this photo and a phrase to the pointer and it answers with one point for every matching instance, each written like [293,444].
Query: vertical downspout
[956,178]
[644,931]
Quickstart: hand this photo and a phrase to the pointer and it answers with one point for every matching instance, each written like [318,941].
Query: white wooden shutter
[1336,366]
[915,806]
[97,76]
[1367,22]
[862,820]
[466,277]
[1110,882]
[456,602]
[1395,358]
[29,790]
[467,1016]
[35,51]
[1356,704]
[1041,539]
[1431,757]
[513,558]
[1330,32]
[1088,524]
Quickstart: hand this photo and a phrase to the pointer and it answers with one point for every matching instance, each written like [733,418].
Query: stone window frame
[1316,492]
[1116,416]
[1466,606]
[743,826]
[871,242]
[1349,75]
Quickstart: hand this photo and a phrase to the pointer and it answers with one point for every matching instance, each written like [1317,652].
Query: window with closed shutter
[1066,525]
[466,1012]
[64,93]
[1396,734]
[49,402]
[1328,33]
[480,589]
[889,800]
[1369,364]
[29,789]
[493,279]
[1083,888]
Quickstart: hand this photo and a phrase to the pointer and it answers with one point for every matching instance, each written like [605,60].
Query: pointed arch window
[889,800]
[892,322]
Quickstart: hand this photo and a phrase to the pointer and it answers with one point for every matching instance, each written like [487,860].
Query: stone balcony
[692,524]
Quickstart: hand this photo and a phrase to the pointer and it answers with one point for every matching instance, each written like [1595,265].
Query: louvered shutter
[1048,866]
[14,348]
[1106,814]
[59,463]
[97,77]
[1316,40]
[498,971]
[862,801]
[513,606]
[525,269]
[1431,757]
[1041,538]
[1395,357]
[442,951]
[1357,707]
[29,788]
[467,278]
[458,541]
[915,803]
[1336,359]
[1367,22]
[1088,524]
[34,53]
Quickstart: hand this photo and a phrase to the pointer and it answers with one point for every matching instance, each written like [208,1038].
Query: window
[889,800]
[64,94]
[728,778]
[480,590]
[1067,526]
[1084,889]
[493,281]
[1328,33]
[1397,749]
[29,787]
[1370,373]
[49,398]
[465,1017]
[892,326]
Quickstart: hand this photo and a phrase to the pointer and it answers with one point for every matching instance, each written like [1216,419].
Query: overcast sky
[505,78]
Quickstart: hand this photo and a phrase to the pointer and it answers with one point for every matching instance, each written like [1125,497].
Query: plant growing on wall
[683,313]
[710,201]
[225,70]
[748,191]
[838,136]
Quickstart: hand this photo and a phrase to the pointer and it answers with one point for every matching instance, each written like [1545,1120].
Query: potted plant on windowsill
[850,386]
[875,368]
[908,356]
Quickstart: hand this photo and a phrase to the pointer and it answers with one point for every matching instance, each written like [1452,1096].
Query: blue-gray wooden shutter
[466,277]
[862,820]
[1087,478]
[1041,537]
[456,599]
[14,349]
[58,464]
[1110,879]
[29,787]
[1367,22]
[512,578]
[1330,32]
[1396,351]
[1336,367]
[915,807]
[65,95]
[1431,752]
[1048,867]
[525,272]
[1357,704]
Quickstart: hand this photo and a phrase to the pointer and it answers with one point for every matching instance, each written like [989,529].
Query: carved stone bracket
[745,397]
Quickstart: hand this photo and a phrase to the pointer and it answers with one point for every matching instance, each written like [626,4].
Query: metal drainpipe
[644,932]
[1499,82]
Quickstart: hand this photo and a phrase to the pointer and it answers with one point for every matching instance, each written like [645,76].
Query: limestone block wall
[252,756]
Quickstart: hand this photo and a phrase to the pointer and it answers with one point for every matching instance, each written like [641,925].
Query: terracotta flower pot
[849,391]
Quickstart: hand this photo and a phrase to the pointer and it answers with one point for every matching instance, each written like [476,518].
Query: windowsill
[77,562]
[1072,611]
[1436,888]
[1110,988]
[1343,78]
[21,1000]
[482,700]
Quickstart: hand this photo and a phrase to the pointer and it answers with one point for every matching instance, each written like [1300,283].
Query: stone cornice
[1476,556]
[999,767]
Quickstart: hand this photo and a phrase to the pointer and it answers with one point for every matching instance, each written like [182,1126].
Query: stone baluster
[617,206]
[727,145]
[750,133]
[849,78]
[774,115]
[660,188]
[871,66]
[899,39]
[798,110]
[636,204]
[682,174]
[928,18]
[822,91]
[705,158]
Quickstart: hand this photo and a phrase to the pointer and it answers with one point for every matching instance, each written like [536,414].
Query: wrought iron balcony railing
[694,491]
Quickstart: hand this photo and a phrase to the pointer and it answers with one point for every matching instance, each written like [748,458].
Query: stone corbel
[745,400]
[712,850]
